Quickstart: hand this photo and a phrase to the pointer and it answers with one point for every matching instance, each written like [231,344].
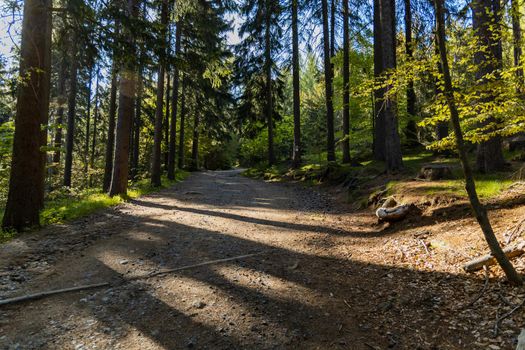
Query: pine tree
[26,185]
[128,82]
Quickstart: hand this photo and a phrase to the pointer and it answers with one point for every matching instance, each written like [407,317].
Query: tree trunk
[411,128]
[346,83]
[110,146]
[296,157]
[379,115]
[174,106]
[26,185]
[167,119]
[128,82]
[333,6]
[330,137]
[95,122]
[71,111]
[61,100]
[88,125]
[157,138]
[393,156]
[195,143]
[268,69]
[516,40]
[137,123]
[442,127]
[486,24]
[182,124]
[478,209]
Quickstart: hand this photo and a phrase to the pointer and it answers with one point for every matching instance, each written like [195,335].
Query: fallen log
[488,260]
[393,214]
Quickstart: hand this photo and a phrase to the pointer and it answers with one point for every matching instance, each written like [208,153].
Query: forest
[382,119]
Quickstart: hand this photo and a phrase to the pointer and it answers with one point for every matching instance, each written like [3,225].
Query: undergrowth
[361,180]
[64,205]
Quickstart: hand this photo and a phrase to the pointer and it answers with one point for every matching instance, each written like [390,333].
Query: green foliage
[6,144]
[65,205]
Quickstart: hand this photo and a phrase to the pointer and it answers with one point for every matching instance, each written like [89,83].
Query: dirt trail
[323,283]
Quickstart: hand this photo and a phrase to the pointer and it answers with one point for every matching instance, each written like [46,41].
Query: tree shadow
[289,298]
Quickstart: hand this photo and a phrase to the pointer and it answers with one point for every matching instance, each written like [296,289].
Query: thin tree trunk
[333,6]
[330,137]
[296,158]
[137,123]
[26,185]
[128,82]
[196,134]
[442,127]
[167,120]
[95,122]
[174,106]
[62,100]
[88,125]
[478,209]
[110,145]
[346,83]
[393,155]
[157,138]
[411,128]
[268,68]
[379,115]
[182,124]
[71,111]
[516,40]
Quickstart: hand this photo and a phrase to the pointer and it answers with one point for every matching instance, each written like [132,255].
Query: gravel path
[312,288]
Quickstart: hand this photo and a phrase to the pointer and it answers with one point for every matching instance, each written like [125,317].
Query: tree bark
[157,138]
[182,124]
[61,100]
[95,122]
[379,115]
[516,40]
[137,122]
[174,107]
[71,111]
[346,83]
[110,145]
[486,24]
[167,123]
[195,141]
[128,85]
[26,185]
[268,69]
[393,155]
[411,128]
[296,156]
[478,209]
[442,127]
[88,124]
[330,137]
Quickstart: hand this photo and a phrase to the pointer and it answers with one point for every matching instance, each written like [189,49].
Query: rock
[123,262]
[390,202]
[521,340]
[435,171]
[199,304]
[516,142]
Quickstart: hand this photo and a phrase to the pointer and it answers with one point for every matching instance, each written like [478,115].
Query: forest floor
[329,276]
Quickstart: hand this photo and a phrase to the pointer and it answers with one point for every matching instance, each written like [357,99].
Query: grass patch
[66,206]
[487,186]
